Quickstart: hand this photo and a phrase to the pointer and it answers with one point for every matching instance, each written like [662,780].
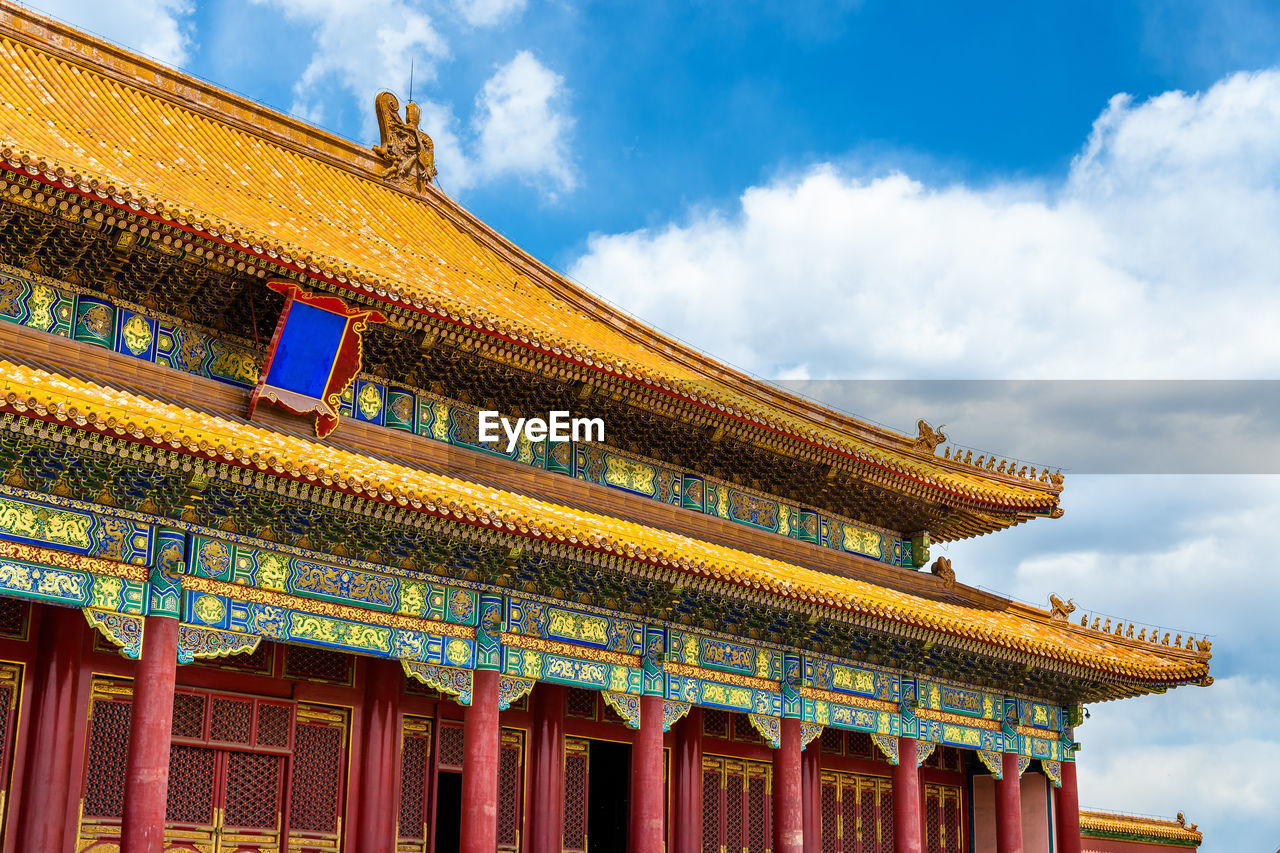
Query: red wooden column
[481,740]
[546,757]
[1009,806]
[647,791]
[146,789]
[811,770]
[907,824]
[47,786]
[686,777]
[1068,811]
[788,819]
[379,756]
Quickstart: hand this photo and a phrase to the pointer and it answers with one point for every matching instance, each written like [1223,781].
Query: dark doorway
[448,812]
[608,796]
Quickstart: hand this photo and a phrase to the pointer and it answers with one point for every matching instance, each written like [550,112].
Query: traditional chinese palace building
[262,587]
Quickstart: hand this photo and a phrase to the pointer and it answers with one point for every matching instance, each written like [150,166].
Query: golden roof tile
[1016,628]
[1151,830]
[90,117]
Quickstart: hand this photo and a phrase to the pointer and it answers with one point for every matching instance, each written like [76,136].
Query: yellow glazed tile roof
[94,119]
[1148,829]
[1017,628]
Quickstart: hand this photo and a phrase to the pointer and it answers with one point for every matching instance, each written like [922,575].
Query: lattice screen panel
[510,791]
[253,790]
[849,814]
[14,617]
[229,720]
[830,814]
[317,665]
[736,813]
[273,725]
[451,747]
[188,715]
[318,770]
[415,757]
[733,806]
[576,767]
[832,741]
[943,833]
[192,771]
[107,759]
[712,811]
[759,826]
[932,820]
[580,703]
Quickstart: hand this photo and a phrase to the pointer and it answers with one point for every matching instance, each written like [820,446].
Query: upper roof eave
[660,363]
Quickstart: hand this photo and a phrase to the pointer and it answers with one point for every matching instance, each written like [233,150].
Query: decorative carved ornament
[942,568]
[512,690]
[809,733]
[199,642]
[625,705]
[993,761]
[455,682]
[119,629]
[887,744]
[770,728]
[1061,611]
[408,155]
[673,712]
[1052,769]
[923,750]
[929,438]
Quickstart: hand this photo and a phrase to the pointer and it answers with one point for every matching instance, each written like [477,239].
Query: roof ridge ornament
[928,438]
[408,155]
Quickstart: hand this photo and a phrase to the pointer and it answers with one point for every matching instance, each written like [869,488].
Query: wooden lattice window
[580,703]
[317,777]
[855,815]
[15,616]
[759,837]
[10,689]
[311,664]
[832,741]
[510,789]
[451,747]
[576,767]
[106,762]
[715,723]
[942,807]
[415,776]
[736,812]
[859,746]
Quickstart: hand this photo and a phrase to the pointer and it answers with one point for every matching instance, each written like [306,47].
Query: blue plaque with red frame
[314,354]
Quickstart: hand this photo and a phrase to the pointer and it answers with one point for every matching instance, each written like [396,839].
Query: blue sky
[904,190]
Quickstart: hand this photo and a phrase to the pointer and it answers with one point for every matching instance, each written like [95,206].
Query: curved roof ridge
[90,117]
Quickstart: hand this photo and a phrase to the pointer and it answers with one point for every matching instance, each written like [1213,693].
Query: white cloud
[520,124]
[158,28]
[1185,552]
[1154,257]
[488,13]
[362,48]
[519,127]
